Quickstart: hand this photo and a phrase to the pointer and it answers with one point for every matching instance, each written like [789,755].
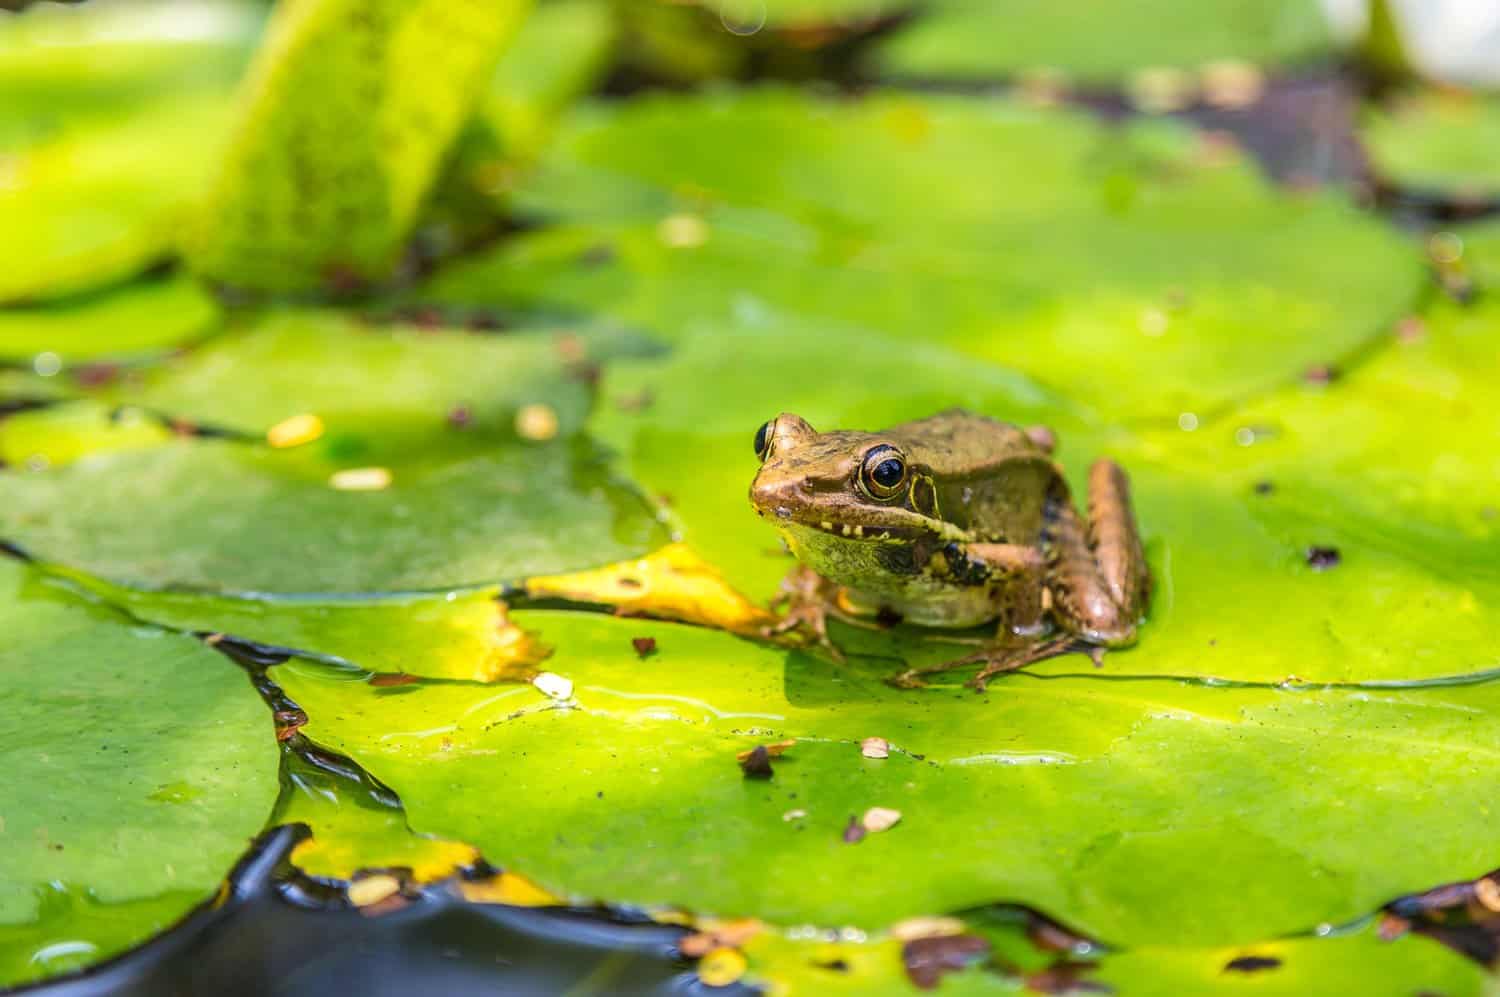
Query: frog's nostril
[782,512]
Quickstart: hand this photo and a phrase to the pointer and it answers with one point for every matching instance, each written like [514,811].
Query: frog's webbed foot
[810,599]
[996,658]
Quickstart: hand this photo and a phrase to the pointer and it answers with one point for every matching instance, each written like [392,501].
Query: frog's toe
[909,679]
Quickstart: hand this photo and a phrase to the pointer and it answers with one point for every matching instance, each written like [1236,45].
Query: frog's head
[857,487]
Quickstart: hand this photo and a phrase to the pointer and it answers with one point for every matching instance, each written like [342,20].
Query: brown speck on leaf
[1066,977]
[928,959]
[597,256]
[644,646]
[855,832]
[385,680]
[833,966]
[1411,329]
[1323,558]
[96,375]
[460,417]
[570,348]
[1264,487]
[757,764]
[1321,374]
[1251,964]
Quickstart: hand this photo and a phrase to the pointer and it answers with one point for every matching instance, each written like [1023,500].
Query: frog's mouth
[897,525]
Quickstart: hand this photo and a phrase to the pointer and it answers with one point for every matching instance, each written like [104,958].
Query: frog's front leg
[810,599]
[1098,578]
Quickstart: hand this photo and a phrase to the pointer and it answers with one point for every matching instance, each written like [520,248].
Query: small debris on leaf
[875,747]
[361,479]
[1411,329]
[682,231]
[935,926]
[725,934]
[536,422]
[722,967]
[1265,487]
[288,722]
[1251,964]
[368,890]
[553,685]
[386,679]
[757,763]
[644,646]
[294,432]
[1321,374]
[792,815]
[877,819]
[460,417]
[1066,977]
[775,750]
[928,959]
[855,832]
[1323,558]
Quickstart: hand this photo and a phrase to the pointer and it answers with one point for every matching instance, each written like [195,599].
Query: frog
[953,521]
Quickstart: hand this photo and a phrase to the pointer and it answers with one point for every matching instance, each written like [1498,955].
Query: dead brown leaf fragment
[385,680]
[1251,964]
[721,934]
[288,722]
[775,750]
[670,584]
[644,646]
[927,960]
[855,832]
[1066,977]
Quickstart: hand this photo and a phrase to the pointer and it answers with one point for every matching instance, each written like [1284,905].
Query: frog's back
[991,477]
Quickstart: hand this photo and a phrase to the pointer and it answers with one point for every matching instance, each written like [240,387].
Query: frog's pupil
[887,473]
[760,438]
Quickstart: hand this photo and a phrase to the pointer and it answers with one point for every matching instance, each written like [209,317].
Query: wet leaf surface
[138,763]
[1267,769]
[144,318]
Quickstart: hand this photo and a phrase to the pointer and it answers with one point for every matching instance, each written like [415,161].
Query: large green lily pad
[1054,792]
[138,765]
[1097,41]
[1039,239]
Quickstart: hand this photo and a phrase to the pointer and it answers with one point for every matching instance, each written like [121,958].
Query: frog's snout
[775,498]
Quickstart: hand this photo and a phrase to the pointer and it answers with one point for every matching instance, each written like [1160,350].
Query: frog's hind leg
[1098,579]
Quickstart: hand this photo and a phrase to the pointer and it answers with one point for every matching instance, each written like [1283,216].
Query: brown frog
[952,521]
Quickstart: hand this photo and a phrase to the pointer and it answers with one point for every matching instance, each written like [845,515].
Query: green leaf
[1048,792]
[1038,239]
[145,317]
[1097,42]
[63,433]
[100,202]
[1436,143]
[138,763]
[349,111]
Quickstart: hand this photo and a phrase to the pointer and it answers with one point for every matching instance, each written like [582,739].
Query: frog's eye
[883,472]
[763,438]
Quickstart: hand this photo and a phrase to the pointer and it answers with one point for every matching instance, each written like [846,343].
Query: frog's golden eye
[763,439]
[883,472]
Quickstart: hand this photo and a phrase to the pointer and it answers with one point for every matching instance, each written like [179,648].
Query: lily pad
[138,762]
[142,318]
[98,203]
[1437,144]
[310,195]
[62,433]
[1047,791]
[1044,241]
[1097,42]
[231,517]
